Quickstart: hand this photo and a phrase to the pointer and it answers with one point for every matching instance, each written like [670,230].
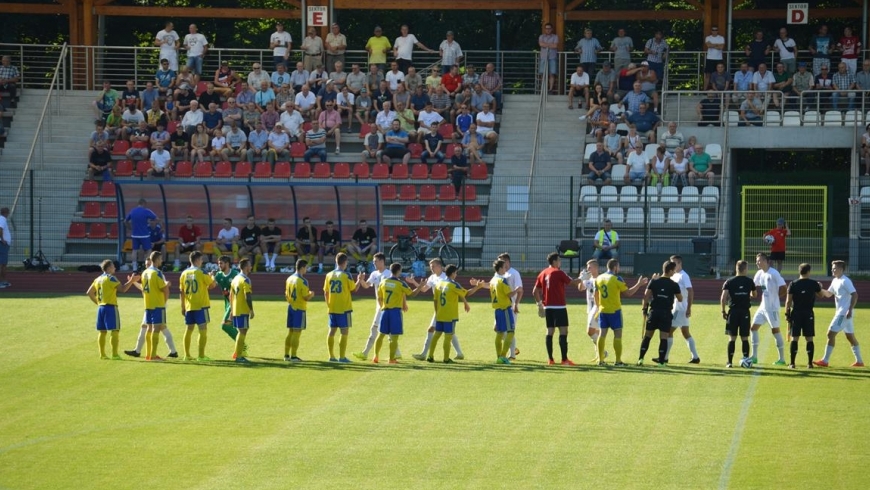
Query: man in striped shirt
[315,140]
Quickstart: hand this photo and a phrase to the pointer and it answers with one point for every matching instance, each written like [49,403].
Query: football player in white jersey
[682,310]
[587,284]
[770,286]
[845,299]
[516,284]
[380,274]
[438,275]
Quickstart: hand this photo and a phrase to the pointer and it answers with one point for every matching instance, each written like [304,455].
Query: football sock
[731,344]
[509,338]
[793,350]
[548,341]
[288,342]
[167,337]
[188,334]
[454,340]
[294,347]
[140,341]
[428,342]
[378,343]
[691,343]
[201,340]
[511,352]
[398,352]
[330,344]
[149,344]
[601,344]
[371,340]
[499,337]
[257,260]
[811,350]
[240,345]
[432,343]
[829,349]
[754,334]
[116,341]
[744,347]
[101,342]
[448,342]
[855,350]
[780,345]
[663,348]
[594,338]
[670,344]
[342,346]
[644,345]
[155,342]
[394,346]
[230,330]
[617,347]
[563,346]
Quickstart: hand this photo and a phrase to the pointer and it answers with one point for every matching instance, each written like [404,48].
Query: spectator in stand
[149,95]
[189,241]
[271,239]
[232,113]
[587,50]
[709,110]
[757,50]
[751,111]
[633,100]
[170,108]
[491,82]
[606,243]
[671,139]
[742,82]
[419,99]
[403,48]
[356,80]
[607,77]
[865,146]
[471,78]
[184,79]
[363,243]
[330,244]
[394,76]
[821,46]
[429,121]
[336,45]
[179,144]
[464,120]
[212,119]
[843,84]
[9,76]
[344,103]
[720,80]
[432,143]
[161,163]
[689,148]
[440,101]
[452,81]
[159,137]
[458,168]
[250,238]
[315,140]
[787,49]
[599,166]
[281,44]
[679,168]
[632,140]
[385,118]
[279,145]
[139,142]
[549,63]
[406,119]
[373,147]
[374,78]
[330,123]
[462,98]
[762,80]
[256,76]
[396,141]
[199,144]
[168,41]
[218,145]
[485,122]
[377,47]
[299,77]
[210,96]
[401,95]
[613,144]
[337,76]
[306,240]
[450,52]
[318,78]
[480,98]
[472,144]
[804,80]
[656,50]
[850,47]
[700,166]
[306,103]
[645,121]
[622,46]
[131,118]
[433,81]
[264,96]
[258,141]
[279,78]
[824,83]
[103,104]
[782,82]
[659,166]
[382,95]
[184,99]
[625,81]
[714,43]
[99,136]
[224,80]
[237,144]
[228,238]
[327,94]
[648,80]
[579,86]
[312,49]
[165,78]
[364,106]
[251,116]
[638,167]
[862,78]
[100,162]
[196,46]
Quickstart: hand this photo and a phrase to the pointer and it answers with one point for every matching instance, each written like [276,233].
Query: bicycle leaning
[409,249]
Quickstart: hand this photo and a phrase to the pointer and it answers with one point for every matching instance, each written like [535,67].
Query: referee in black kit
[737,293]
[799,303]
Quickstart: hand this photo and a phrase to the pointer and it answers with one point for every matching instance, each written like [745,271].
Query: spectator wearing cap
[312,49]
[258,144]
[491,82]
[803,80]
[622,46]
[336,45]
[588,48]
[451,53]
[656,50]
[225,80]
[280,77]
[607,78]
[281,44]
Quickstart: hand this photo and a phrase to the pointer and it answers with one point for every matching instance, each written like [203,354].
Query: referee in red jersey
[549,293]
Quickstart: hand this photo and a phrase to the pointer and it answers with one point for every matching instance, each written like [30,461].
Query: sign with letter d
[798,13]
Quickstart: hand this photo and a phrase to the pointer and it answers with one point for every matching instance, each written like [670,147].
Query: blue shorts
[339,320]
[108,318]
[445,327]
[195,64]
[391,322]
[228,247]
[304,248]
[504,320]
[241,321]
[296,318]
[552,66]
[610,320]
[142,242]
[196,317]
[156,316]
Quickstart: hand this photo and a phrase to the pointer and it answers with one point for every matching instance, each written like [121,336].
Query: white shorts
[591,320]
[842,324]
[764,316]
[378,314]
[432,323]
[680,319]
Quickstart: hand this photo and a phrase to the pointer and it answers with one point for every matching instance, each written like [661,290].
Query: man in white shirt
[763,79]
[306,102]
[845,298]
[787,49]
[637,171]
[385,118]
[403,48]
[714,43]
[516,284]
[587,284]
[292,121]
[279,145]
[192,118]
[160,162]
[258,76]
[485,123]
[281,43]
[451,53]
[299,77]
[167,40]
[196,46]
[5,244]
[394,76]
[336,45]
[682,310]
[579,85]
[427,118]
[228,237]
[381,273]
[770,286]
[438,275]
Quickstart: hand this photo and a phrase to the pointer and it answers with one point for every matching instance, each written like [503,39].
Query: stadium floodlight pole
[728,32]
[462,231]
[303,20]
[499,13]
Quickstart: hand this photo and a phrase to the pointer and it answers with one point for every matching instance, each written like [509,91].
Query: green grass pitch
[70,420]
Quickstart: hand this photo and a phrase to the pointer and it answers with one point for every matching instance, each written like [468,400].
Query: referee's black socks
[811,350]
[663,348]
[731,344]
[549,343]
[563,346]
[644,346]
[793,349]
[744,345]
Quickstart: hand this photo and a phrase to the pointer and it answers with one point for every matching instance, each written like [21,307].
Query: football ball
[746,362]
[769,239]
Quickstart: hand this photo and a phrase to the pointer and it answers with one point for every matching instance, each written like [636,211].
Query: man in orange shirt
[777,248]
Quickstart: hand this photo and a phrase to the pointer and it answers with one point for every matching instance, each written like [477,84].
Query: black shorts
[710,65]
[802,324]
[396,152]
[737,323]
[776,256]
[659,320]
[556,317]
[157,247]
[188,249]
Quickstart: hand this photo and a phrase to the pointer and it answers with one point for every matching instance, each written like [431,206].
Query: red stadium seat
[321,170]
[120,147]
[183,169]
[223,169]
[77,230]
[446,193]
[433,213]
[123,168]
[448,150]
[419,171]
[108,189]
[113,231]
[306,126]
[400,171]
[89,189]
[171,126]
[297,150]
[200,88]
[97,230]
[416,150]
[427,193]
[111,210]
[92,210]
[401,231]
[364,130]
[361,170]
[473,214]
[478,172]
[202,170]
[447,234]
[263,170]
[408,193]
[282,170]
[142,167]
[243,170]
[412,213]
[452,213]
[302,171]
[381,171]
[341,171]
[388,192]
[470,192]
[423,233]
[446,131]
[385,234]
[439,172]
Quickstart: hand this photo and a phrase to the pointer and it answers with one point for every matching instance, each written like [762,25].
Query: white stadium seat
[811,118]
[710,194]
[634,216]
[714,150]
[590,149]
[609,194]
[833,118]
[670,194]
[650,151]
[628,194]
[593,216]
[652,194]
[697,215]
[616,215]
[676,216]
[852,118]
[657,215]
[865,195]
[772,118]
[588,193]
[689,195]
[732,118]
[617,172]
[791,118]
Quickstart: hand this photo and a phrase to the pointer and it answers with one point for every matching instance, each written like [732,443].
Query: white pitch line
[725,476]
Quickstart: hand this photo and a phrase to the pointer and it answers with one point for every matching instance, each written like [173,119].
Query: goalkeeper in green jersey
[224,278]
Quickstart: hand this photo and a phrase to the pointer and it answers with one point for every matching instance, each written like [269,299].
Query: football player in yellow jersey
[609,288]
[143,331]
[155,291]
[391,296]
[501,296]
[104,293]
[447,295]
[243,307]
[194,285]
[337,289]
[298,295]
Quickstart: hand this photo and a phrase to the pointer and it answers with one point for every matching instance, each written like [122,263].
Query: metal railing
[536,146]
